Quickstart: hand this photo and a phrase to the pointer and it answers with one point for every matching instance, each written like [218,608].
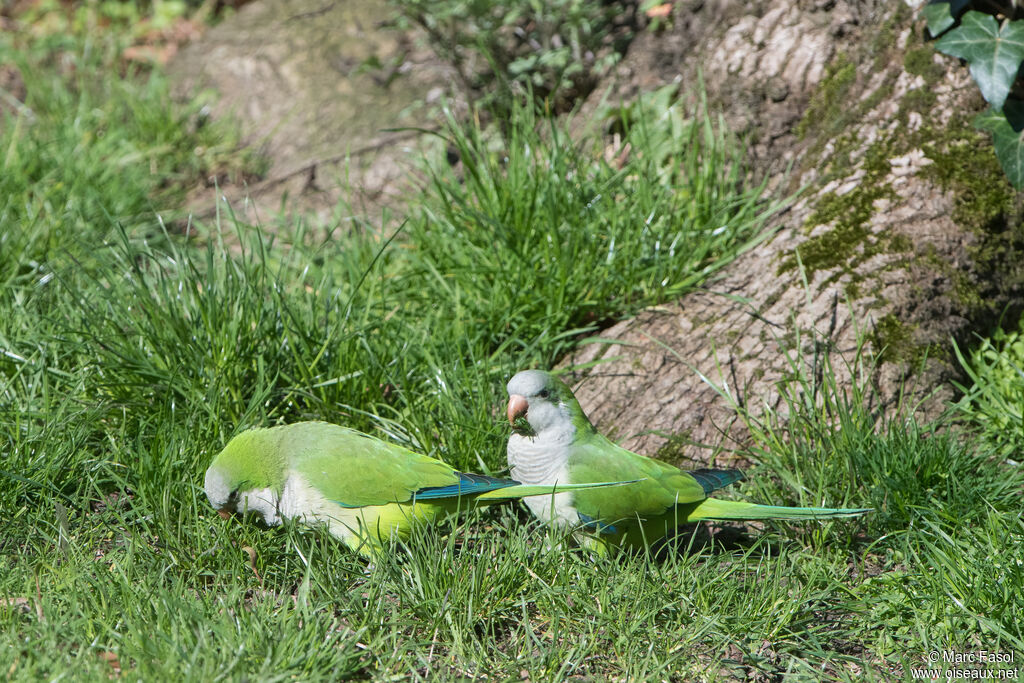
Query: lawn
[132,349]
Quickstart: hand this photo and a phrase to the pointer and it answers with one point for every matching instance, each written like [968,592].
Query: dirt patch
[318,87]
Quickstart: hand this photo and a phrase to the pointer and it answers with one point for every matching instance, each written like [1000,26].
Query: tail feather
[525,490]
[712,508]
[712,480]
[467,485]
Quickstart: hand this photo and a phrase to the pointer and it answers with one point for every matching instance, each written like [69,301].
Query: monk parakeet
[552,441]
[364,489]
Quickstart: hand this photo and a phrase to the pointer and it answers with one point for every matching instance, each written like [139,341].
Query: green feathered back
[354,469]
[595,458]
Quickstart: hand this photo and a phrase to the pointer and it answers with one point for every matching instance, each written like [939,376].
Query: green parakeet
[365,490]
[552,441]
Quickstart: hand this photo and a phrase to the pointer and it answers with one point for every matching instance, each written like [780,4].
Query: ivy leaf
[941,14]
[994,52]
[1005,127]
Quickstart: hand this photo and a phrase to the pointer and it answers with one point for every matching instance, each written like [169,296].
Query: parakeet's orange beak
[517,406]
[224,513]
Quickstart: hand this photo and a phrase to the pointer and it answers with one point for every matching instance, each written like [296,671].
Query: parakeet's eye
[544,393]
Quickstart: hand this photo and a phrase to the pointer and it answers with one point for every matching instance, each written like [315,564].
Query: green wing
[354,469]
[595,458]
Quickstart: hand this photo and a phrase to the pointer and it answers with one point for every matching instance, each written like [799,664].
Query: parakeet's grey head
[251,462]
[538,401]
[546,421]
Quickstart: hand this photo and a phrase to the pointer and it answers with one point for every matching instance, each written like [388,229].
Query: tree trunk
[906,237]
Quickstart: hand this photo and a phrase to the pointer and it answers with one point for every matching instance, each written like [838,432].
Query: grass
[992,403]
[129,355]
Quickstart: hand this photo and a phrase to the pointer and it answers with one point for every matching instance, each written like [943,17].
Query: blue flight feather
[712,480]
[591,524]
[469,484]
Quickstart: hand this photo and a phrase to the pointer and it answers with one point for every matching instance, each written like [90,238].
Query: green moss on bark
[850,240]
[831,98]
[920,61]
[965,164]
[893,340]
[960,161]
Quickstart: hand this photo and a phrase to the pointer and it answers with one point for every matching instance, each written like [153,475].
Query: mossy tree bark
[907,235]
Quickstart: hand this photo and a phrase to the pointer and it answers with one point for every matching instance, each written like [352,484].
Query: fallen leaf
[21,604]
[39,602]
[111,659]
[659,11]
[252,561]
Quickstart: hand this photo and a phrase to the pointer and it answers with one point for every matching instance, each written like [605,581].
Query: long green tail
[712,508]
[524,490]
